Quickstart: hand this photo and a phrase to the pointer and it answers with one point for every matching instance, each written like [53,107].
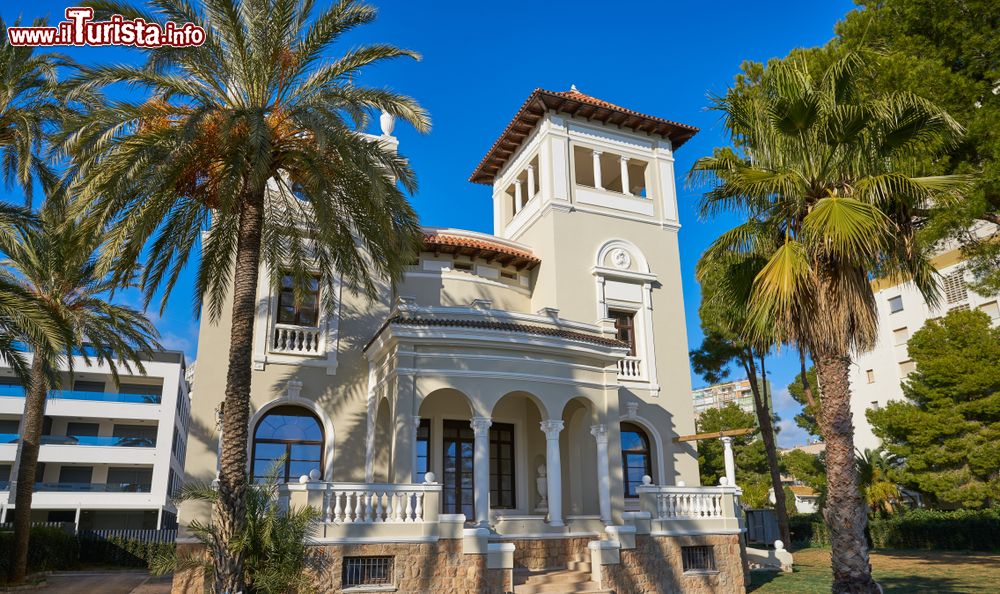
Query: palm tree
[877,489]
[252,140]
[28,104]
[825,178]
[725,291]
[55,264]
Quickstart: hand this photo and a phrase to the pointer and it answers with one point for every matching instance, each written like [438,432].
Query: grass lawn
[898,571]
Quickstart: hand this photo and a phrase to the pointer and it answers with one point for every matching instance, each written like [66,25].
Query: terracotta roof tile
[571,102]
[480,247]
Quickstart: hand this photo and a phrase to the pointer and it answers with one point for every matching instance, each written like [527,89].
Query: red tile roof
[479,247]
[572,102]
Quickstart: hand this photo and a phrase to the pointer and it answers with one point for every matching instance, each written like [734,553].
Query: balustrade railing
[297,340]
[630,368]
[698,506]
[345,503]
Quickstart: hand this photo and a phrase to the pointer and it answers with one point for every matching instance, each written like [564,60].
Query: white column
[600,433]
[624,164]
[597,170]
[554,466]
[415,419]
[727,447]
[481,469]
[517,196]
[76,520]
[531,181]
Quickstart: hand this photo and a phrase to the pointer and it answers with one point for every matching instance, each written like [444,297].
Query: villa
[504,418]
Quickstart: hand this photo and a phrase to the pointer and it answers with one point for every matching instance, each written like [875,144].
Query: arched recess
[517,450]
[578,451]
[311,406]
[656,446]
[448,413]
[382,451]
[637,260]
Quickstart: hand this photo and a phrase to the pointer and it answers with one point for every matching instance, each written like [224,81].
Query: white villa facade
[876,376]
[504,418]
[111,456]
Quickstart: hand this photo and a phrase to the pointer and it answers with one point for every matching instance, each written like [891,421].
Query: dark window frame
[495,474]
[624,327]
[423,436]
[287,410]
[646,452]
[286,298]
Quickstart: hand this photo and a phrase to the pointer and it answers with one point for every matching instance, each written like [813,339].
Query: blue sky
[482,60]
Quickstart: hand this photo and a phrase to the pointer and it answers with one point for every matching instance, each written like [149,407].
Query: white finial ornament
[573,89]
[388,123]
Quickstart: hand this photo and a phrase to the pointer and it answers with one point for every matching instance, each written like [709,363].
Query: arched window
[291,435]
[636,458]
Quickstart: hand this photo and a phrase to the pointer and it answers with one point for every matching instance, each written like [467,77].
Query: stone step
[579,566]
[558,581]
[555,577]
[581,588]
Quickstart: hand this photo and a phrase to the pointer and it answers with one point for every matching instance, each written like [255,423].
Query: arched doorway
[289,440]
[445,444]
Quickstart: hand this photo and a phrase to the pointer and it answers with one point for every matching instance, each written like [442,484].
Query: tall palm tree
[28,105]
[249,142]
[56,264]
[725,291]
[824,175]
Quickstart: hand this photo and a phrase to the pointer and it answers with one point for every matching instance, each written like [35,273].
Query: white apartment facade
[111,456]
[876,376]
[507,411]
[719,395]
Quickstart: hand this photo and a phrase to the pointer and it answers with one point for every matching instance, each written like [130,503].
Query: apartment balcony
[85,449]
[91,488]
[80,403]
[89,496]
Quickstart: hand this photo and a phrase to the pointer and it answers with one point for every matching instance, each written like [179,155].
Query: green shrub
[118,550]
[974,530]
[808,530]
[50,549]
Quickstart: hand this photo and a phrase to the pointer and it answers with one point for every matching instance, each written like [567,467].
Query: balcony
[631,368]
[10,391]
[302,341]
[92,488]
[87,440]
[691,510]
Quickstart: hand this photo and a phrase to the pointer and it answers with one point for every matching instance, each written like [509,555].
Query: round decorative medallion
[620,258]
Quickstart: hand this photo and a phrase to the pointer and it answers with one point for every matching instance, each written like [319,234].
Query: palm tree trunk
[845,511]
[766,424]
[31,433]
[806,387]
[229,512]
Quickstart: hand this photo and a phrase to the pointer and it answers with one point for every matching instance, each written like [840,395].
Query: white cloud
[790,434]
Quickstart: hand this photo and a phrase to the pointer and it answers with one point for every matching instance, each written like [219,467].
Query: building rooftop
[479,245]
[573,103]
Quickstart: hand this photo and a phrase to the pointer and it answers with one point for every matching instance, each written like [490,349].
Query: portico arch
[315,409]
[579,458]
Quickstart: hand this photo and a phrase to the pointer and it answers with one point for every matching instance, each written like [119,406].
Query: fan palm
[824,177]
[877,489]
[249,143]
[55,265]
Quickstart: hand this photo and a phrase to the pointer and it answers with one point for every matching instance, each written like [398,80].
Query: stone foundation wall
[438,567]
[654,566]
[550,553]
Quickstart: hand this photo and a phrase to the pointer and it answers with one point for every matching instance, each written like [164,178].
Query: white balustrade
[374,503]
[297,340]
[630,368]
[679,503]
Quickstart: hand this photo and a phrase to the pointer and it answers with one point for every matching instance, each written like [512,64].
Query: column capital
[600,433]
[598,153]
[415,420]
[481,425]
[530,167]
[552,427]
[623,158]
[726,439]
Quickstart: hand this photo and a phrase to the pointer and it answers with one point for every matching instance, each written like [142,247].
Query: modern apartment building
[111,456]
[739,392]
[876,376]
[505,415]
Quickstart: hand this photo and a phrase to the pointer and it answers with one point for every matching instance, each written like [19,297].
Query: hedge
[51,549]
[968,530]
[117,550]
[971,530]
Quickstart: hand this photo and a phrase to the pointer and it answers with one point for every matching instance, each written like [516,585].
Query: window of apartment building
[624,327]
[870,375]
[294,312]
[88,386]
[9,427]
[75,429]
[137,480]
[423,450]
[151,393]
[954,287]
[502,466]
[875,405]
[900,336]
[991,309]
[636,459]
[896,304]
[173,443]
[135,435]
[906,368]
[5,476]
[77,475]
[292,438]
